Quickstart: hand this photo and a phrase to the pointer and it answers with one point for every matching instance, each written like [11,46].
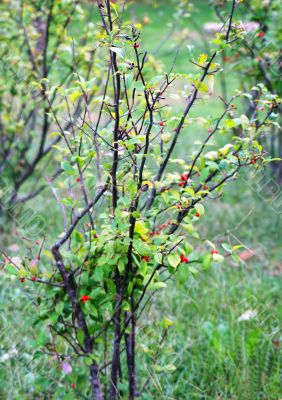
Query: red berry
[198,214]
[85,298]
[175,130]
[209,130]
[205,187]
[252,162]
[184,259]
[77,179]
[95,236]
[199,173]
[73,385]
[161,123]
[88,225]
[179,206]
[151,233]
[33,278]
[146,258]
[181,183]
[184,177]
[22,280]
[37,242]
[214,252]
[136,45]
[261,34]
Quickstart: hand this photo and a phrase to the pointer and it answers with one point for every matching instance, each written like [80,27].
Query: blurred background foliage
[222,328]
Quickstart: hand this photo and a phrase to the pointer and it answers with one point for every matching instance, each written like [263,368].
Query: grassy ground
[213,351]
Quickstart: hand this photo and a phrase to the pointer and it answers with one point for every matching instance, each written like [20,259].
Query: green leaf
[11,269]
[213,165]
[167,323]
[128,80]
[164,368]
[201,86]
[166,137]
[118,50]
[121,264]
[88,361]
[75,95]
[174,260]
[156,285]
[142,248]
[227,247]
[68,168]
[80,337]
[143,268]
[207,262]
[158,257]
[53,317]
[84,278]
[98,274]
[59,307]
[140,228]
[229,123]
[42,338]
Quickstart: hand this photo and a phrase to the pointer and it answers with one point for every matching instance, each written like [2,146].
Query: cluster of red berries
[184,178]
[146,258]
[33,278]
[85,298]
[184,259]
[160,228]
[254,160]
[214,252]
